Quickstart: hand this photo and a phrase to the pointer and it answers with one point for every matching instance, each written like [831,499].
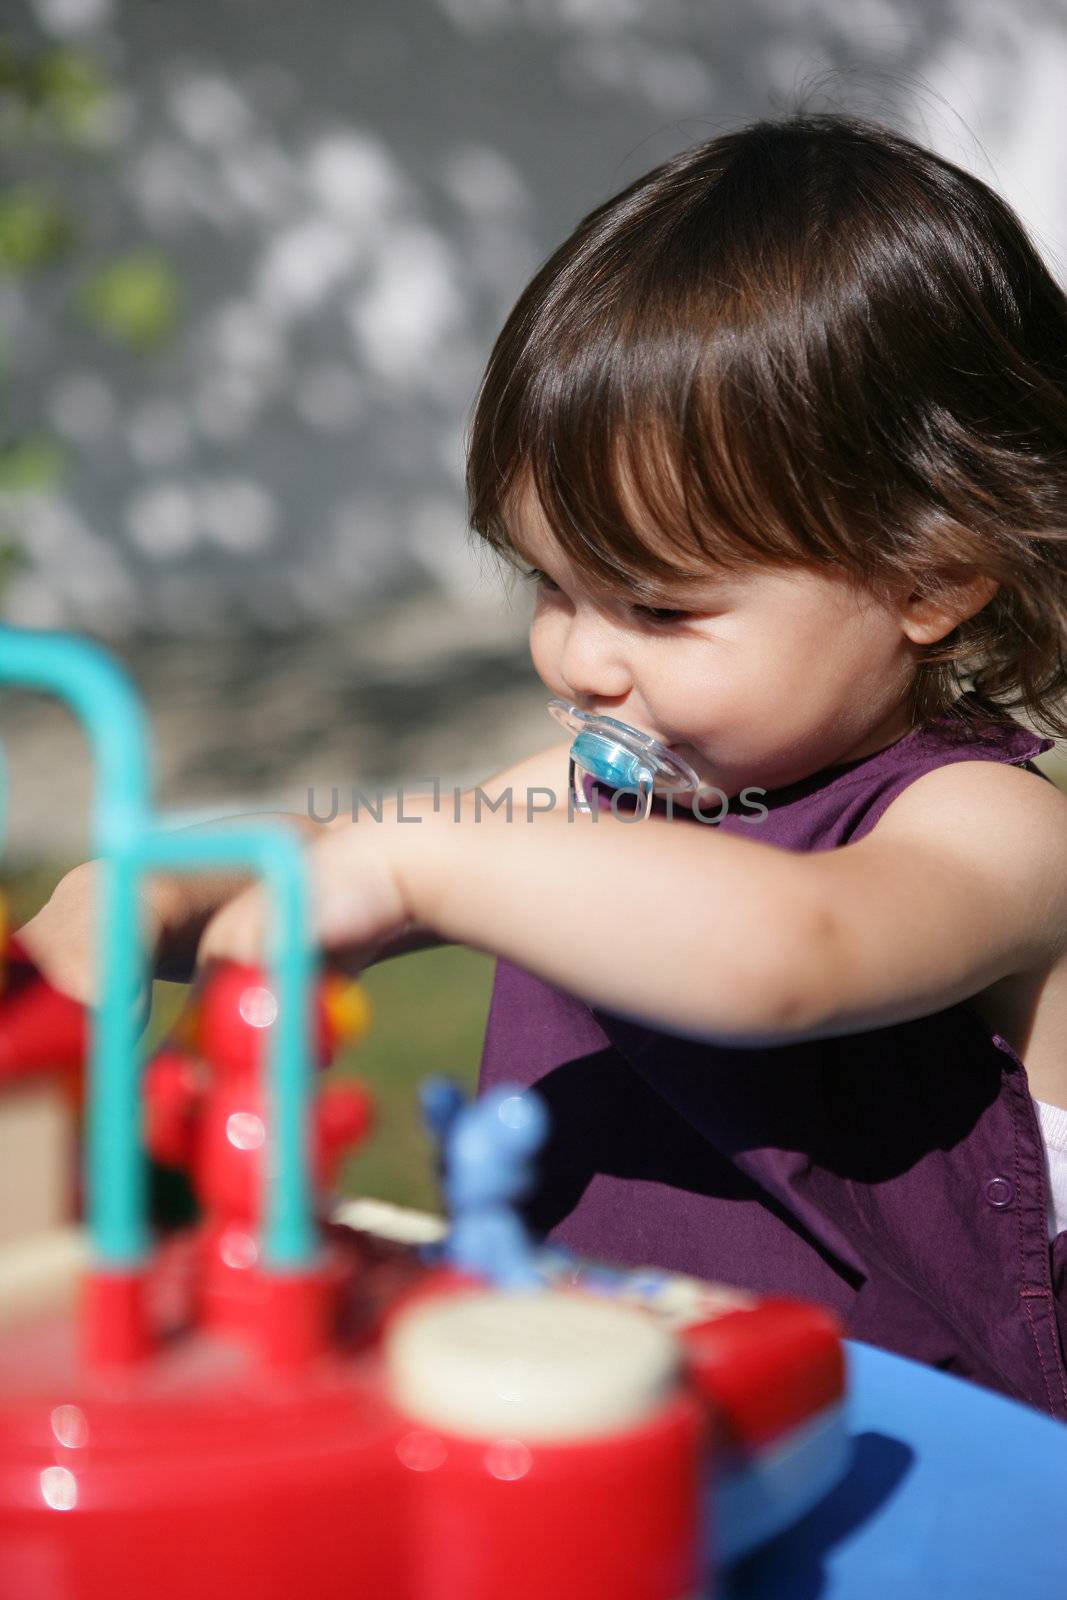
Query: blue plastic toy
[488,1146]
[441,1101]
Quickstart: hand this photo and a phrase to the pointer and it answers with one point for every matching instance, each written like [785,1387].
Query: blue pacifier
[613,753]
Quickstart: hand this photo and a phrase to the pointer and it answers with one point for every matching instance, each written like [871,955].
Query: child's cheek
[546,645]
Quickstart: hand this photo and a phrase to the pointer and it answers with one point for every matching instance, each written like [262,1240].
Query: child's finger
[236,932]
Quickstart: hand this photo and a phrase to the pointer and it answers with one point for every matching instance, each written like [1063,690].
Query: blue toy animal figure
[441,1101]
[488,1146]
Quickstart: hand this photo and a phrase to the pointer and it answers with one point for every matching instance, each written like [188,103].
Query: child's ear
[930,614]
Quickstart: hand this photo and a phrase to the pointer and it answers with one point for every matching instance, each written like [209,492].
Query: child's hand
[62,939]
[357,900]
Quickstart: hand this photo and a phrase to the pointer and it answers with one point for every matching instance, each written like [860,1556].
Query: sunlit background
[253,256]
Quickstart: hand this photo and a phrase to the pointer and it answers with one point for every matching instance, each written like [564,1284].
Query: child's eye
[656,614]
[661,614]
[535,575]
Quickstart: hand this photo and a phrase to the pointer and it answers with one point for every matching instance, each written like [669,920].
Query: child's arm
[546,771]
[676,924]
[176,907]
[710,934]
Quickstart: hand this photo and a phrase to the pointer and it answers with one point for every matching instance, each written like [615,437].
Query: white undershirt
[1052,1120]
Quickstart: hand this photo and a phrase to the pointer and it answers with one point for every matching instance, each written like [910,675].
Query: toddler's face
[759,678]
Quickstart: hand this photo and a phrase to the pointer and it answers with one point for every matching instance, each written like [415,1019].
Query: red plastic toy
[376,1426]
[207,1114]
[43,1042]
[41,1030]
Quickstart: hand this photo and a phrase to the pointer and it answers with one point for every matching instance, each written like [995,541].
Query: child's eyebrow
[688,592]
[655,591]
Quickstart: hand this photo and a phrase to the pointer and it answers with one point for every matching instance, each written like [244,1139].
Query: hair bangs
[640,450]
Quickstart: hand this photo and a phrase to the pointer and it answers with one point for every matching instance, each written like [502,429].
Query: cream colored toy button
[537,1365]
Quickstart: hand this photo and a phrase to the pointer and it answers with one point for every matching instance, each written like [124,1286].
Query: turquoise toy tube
[129,841]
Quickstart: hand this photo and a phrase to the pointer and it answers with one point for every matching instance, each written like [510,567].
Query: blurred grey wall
[265,515]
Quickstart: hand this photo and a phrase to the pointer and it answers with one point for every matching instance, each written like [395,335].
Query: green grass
[429,1017]
[429,1013]
[26,887]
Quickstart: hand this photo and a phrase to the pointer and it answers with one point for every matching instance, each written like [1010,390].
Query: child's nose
[593,664]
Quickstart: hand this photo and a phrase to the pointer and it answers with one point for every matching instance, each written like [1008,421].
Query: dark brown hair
[808,342]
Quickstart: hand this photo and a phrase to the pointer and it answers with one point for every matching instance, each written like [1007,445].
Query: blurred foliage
[12,559]
[54,104]
[34,230]
[51,94]
[34,462]
[134,300]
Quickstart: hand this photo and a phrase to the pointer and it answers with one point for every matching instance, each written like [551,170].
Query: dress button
[1000,1192]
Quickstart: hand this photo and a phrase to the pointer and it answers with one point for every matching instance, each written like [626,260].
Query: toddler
[779,437]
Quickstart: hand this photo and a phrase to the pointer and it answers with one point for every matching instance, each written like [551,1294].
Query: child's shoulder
[1001,805]
[970,774]
[1005,825]
[958,890]
[1005,820]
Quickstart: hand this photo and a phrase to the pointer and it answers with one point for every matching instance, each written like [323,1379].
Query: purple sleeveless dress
[895,1175]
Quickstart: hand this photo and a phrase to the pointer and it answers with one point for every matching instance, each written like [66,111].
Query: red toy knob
[767,1369]
[40,1028]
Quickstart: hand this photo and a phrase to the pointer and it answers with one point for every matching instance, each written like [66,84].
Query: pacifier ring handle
[611,750]
[643,792]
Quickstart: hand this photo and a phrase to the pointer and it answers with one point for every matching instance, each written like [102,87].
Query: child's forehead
[532,538]
[533,541]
